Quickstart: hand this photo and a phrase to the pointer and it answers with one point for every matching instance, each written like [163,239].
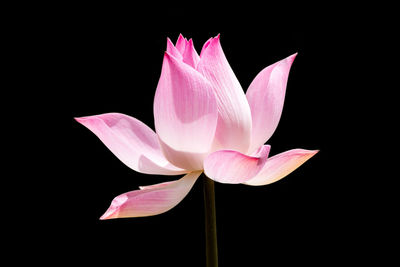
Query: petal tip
[169,42]
[291,58]
[82,120]
[106,216]
[114,209]
[307,154]
[180,38]
[88,121]
[103,218]
[213,41]
[315,151]
[216,39]
[111,212]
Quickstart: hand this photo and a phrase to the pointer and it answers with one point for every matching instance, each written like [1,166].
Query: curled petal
[151,200]
[233,167]
[234,117]
[266,95]
[278,166]
[185,114]
[135,144]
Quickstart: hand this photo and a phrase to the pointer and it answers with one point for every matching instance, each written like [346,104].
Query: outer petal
[131,141]
[278,166]
[234,117]
[151,200]
[228,166]
[266,95]
[185,114]
[190,55]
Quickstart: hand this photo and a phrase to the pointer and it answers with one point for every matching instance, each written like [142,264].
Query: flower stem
[210,223]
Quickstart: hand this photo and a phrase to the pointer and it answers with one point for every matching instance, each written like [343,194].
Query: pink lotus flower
[204,123]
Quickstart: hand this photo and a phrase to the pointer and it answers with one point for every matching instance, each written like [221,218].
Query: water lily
[204,122]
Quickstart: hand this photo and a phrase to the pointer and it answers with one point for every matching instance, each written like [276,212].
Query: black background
[321,213]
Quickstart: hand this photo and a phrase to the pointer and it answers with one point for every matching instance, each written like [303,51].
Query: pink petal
[278,166]
[234,116]
[151,200]
[185,114]
[228,166]
[172,50]
[206,44]
[181,44]
[190,55]
[131,141]
[266,95]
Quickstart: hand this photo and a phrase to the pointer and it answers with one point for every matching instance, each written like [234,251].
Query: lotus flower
[204,122]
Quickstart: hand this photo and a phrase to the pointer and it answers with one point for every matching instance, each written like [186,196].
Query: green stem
[210,223]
